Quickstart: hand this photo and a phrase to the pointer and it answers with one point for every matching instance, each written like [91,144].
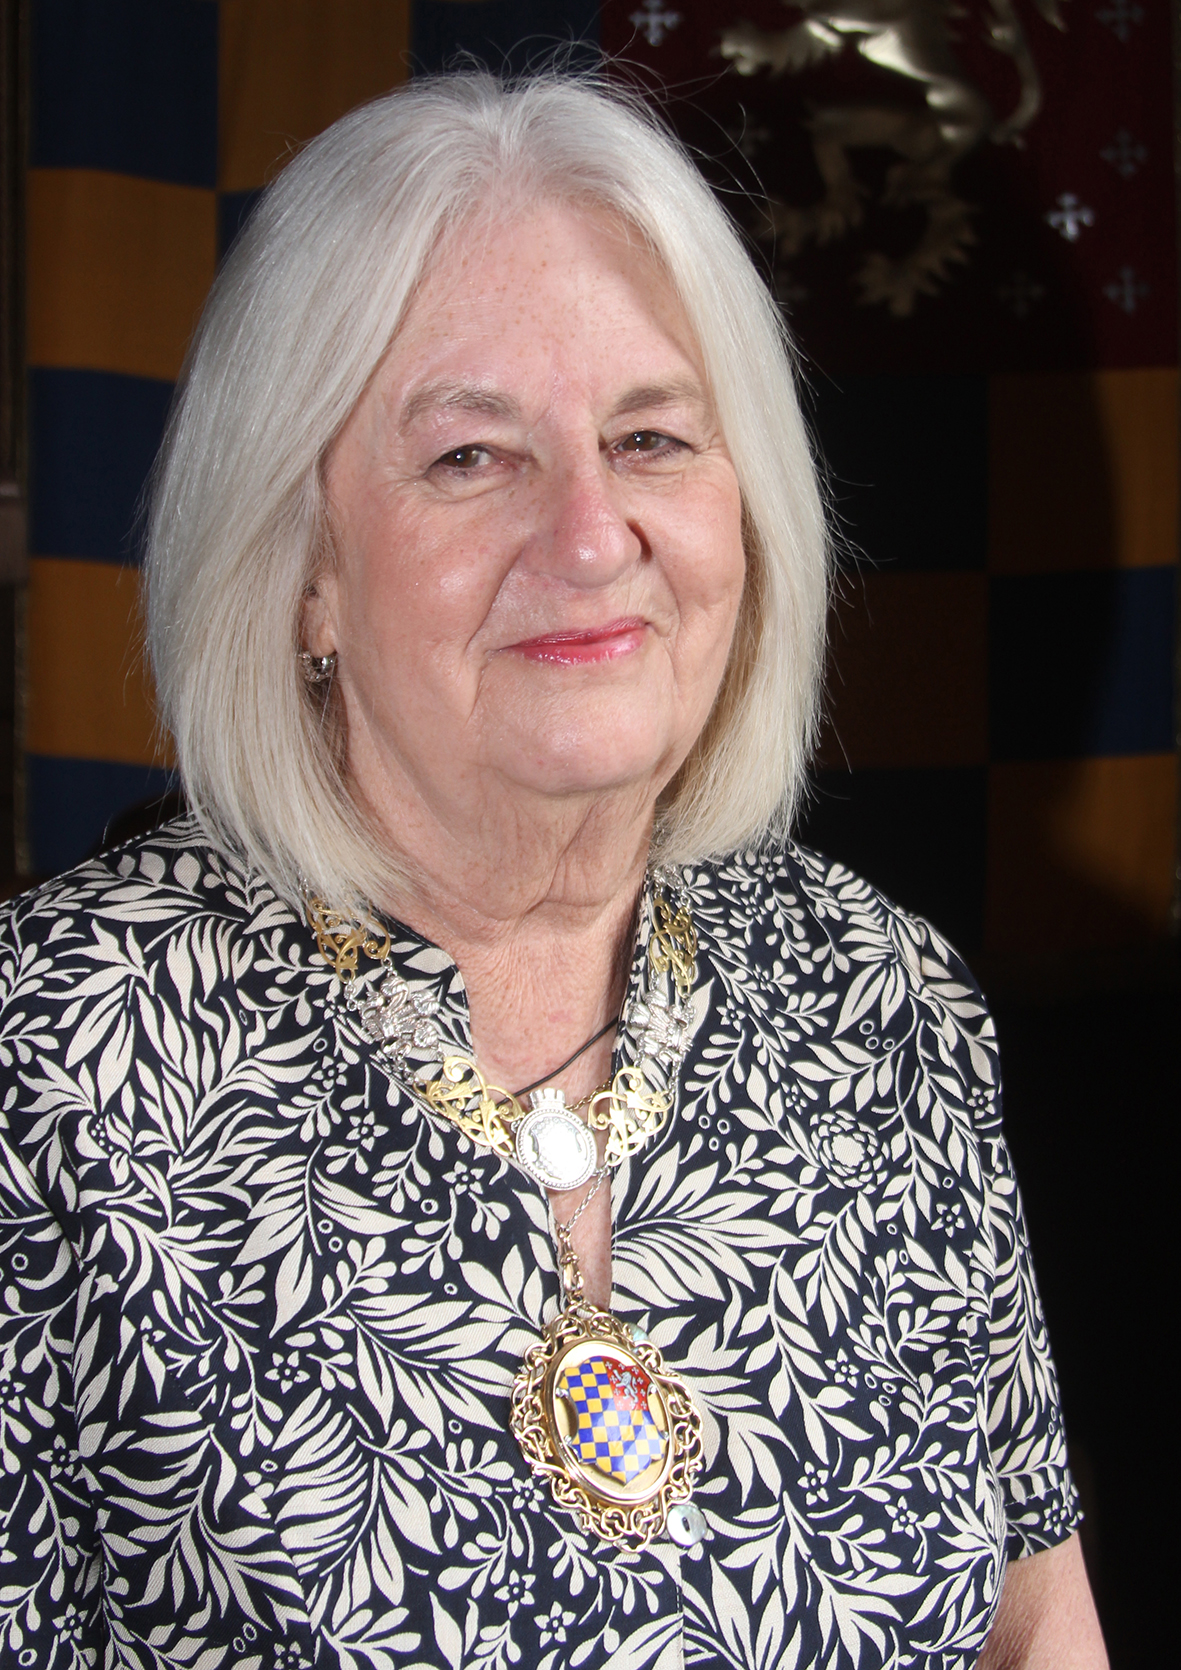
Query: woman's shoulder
[854,995]
[787,873]
[137,893]
[134,985]
[789,904]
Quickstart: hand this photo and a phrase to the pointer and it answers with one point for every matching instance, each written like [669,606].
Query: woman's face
[539,557]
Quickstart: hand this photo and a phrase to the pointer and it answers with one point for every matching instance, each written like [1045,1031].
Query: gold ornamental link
[674,944]
[458,1086]
[630,1112]
[339,938]
[568,1266]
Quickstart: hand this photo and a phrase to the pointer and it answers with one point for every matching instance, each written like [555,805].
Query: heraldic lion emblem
[913,39]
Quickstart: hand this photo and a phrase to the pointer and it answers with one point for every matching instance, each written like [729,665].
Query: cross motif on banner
[1125,154]
[1119,17]
[653,22]
[1071,215]
[1128,291]
[1020,294]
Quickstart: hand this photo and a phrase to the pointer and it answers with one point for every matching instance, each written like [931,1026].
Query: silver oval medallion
[553,1145]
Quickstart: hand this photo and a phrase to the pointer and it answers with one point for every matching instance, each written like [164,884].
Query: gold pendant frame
[631,1514]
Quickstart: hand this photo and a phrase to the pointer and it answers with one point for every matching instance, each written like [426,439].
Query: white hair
[302,313]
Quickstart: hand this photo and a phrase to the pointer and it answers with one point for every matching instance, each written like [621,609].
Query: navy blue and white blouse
[261,1311]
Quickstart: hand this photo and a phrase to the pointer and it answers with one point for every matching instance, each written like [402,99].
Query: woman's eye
[648,441]
[464,458]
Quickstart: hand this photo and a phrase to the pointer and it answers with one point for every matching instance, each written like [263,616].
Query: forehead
[551,291]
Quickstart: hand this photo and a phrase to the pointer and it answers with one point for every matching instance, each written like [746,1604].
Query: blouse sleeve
[1024,1416]
[50,1590]
[1024,1409]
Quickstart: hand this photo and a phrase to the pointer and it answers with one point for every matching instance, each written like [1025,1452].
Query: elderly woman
[486,587]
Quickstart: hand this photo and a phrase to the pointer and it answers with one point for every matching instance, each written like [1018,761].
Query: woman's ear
[318,620]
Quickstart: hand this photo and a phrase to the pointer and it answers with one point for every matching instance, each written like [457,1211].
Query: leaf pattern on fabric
[261,1311]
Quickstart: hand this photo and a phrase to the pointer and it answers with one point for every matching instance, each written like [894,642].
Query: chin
[595,746]
[562,785]
[591,770]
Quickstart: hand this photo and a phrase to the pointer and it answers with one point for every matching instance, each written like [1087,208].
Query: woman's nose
[583,534]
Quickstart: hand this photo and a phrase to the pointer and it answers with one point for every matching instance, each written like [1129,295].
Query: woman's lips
[577,649]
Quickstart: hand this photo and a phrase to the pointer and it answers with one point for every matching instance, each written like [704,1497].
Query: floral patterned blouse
[262,1311]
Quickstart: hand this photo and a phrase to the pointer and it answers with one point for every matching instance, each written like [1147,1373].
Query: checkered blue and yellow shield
[615,1431]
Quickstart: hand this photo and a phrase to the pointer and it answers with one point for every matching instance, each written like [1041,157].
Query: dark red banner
[982,192]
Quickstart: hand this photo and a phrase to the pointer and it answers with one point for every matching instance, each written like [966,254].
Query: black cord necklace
[581,1050]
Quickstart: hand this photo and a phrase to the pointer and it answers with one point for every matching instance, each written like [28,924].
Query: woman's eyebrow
[487,402]
[647,397]
[452,396]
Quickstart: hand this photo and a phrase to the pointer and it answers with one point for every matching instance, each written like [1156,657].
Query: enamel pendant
[552,1144]
[599,1415]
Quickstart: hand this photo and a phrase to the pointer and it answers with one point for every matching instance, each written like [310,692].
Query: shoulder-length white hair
[303,311]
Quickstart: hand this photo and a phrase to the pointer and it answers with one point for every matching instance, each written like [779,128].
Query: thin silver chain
[581,1208]
[569,1270]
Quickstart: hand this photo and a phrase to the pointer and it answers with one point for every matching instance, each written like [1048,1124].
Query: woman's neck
[537,908]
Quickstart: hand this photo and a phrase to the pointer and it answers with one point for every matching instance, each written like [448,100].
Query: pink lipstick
[580,649]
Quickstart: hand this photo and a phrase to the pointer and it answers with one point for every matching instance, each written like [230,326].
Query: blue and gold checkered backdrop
[1001,748]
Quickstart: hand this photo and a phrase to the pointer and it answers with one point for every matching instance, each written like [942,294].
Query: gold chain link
[674,944]
[339,938]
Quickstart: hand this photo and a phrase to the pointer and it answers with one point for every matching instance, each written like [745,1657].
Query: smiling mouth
[578,649]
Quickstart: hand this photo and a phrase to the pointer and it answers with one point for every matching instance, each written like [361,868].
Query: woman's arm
[50,1588]
[1046,1619]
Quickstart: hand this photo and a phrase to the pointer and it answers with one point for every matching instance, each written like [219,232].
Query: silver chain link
[567,1258]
